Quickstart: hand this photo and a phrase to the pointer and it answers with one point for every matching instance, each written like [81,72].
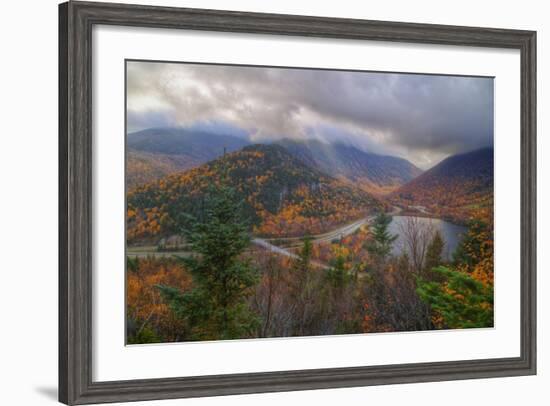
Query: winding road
[283,251]
[338,233]
[266,243]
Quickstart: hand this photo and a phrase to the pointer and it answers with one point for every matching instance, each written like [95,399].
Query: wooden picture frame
[76,20]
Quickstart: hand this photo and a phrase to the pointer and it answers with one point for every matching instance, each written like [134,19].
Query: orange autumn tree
[149,318]
[474,255]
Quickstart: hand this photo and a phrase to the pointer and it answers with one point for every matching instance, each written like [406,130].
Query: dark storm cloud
[420,117]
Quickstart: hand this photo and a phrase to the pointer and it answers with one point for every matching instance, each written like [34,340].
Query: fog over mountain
[423,118]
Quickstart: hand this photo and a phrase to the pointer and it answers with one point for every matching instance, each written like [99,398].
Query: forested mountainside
[375,173]
[281,196]
[157,152]
[455,189]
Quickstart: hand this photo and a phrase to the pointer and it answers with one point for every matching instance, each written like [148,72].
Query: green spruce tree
[216,307]
[302,289]
[337,274]
[434,254]
[303,262]
[380,246]
[459,301]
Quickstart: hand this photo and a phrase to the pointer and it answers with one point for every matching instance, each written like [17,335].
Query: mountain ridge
[281,195]
[157,152]
[376,173]
[456,188]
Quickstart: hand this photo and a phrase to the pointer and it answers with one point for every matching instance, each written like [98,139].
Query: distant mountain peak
[376,173]
[157,152]
[177,141]
[454,188]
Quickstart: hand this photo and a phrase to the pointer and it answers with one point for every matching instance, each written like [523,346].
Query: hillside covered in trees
[379,174]
[455,189]
[281,196]
[157,152]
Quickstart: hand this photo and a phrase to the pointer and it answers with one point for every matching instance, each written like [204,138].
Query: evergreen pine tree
[434,253]
[381,244]
[216,307]
[459,301]
[302,263]
[301,289]
[337,274]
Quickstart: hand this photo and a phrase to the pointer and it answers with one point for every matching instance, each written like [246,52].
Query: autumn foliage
[221,285]
[455,190]
[282,196]
[145,309]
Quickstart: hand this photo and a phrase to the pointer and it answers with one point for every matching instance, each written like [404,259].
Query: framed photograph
[257,202]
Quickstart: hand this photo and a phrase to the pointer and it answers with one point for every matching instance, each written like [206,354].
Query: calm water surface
[451,233]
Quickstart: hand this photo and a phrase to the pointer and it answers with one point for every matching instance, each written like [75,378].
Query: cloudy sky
[422,118]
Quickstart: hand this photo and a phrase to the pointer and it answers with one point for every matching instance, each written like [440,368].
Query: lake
[450,232]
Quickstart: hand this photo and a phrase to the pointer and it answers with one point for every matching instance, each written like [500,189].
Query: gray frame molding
[76,20]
